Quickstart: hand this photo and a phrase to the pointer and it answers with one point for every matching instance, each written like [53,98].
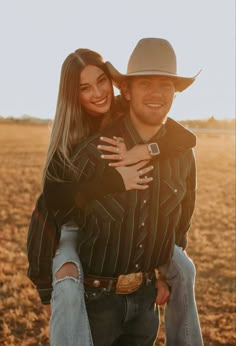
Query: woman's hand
[133,176]
[120,153]
[163,291]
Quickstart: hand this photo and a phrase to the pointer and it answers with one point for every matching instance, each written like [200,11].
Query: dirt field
[212,245]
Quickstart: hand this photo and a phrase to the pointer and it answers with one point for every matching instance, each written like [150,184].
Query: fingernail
[101,138]
[102,156]
[99,146]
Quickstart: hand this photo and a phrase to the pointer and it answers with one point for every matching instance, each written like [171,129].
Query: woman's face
[96,90]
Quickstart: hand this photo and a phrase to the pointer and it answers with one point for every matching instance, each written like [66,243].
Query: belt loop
[148,279]
[109,286]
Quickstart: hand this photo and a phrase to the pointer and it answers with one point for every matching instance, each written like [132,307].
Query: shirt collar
[135,137]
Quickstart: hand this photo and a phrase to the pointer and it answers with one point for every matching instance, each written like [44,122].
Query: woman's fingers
[119,163]
[109,140]
[140,164]
[134,179]
[145,180]
[117,146]
[140,187]
[118,139]
[109,148]
[113,141]
[145,170]
[142,184]
[111,157]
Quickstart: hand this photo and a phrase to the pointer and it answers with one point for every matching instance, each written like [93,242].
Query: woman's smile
[96,91]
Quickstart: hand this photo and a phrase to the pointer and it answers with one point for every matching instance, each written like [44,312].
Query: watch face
[154,149]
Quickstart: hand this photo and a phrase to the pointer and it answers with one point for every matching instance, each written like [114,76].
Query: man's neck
[145,131]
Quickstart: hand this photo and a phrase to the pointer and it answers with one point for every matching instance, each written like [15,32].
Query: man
[127,236]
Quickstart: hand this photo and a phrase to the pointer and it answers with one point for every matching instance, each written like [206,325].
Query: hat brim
[181,83]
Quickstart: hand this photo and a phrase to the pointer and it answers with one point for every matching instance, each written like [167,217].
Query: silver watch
[153,149]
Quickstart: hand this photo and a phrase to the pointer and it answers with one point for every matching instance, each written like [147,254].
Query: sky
[37,36]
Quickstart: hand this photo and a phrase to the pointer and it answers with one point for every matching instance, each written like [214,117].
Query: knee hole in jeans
[68,269]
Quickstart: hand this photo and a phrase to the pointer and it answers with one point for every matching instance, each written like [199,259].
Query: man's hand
[48,309]
[163,291]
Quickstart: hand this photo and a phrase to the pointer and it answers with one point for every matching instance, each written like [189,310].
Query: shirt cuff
[45,295]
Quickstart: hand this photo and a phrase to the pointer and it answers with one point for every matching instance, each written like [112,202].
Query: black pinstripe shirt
[107,242]
[107,239]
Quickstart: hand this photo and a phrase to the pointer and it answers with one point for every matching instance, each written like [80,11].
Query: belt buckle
[129,283]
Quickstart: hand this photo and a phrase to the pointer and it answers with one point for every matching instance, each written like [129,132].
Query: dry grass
[211,241]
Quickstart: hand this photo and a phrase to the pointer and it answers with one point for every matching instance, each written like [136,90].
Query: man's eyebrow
[101,75]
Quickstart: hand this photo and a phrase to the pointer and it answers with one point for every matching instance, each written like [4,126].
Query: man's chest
[164,194]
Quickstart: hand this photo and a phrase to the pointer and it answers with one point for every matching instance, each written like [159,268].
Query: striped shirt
[107,237]
[107,241]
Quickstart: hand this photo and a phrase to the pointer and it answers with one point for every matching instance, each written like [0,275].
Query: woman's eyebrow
[83,84]
[101,75]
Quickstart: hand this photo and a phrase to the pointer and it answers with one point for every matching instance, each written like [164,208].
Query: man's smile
[154,105]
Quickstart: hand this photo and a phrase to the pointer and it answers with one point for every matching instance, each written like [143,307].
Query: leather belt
[123,284]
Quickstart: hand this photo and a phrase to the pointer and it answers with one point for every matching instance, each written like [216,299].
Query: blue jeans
[69,325]
[123,320]
[181,316]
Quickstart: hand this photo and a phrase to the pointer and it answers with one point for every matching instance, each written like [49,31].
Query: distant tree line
[25,119]
[210,123]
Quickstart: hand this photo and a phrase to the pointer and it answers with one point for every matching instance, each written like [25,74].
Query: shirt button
[175,190]
[143,224]
[136,266]
[141,245]
[144,201]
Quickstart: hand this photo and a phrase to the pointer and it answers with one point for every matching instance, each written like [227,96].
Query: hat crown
[152,54]
[152,57]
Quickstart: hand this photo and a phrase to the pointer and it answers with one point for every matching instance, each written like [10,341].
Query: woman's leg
[69,324]
[181,316]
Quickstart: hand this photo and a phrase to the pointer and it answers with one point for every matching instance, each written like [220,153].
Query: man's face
[150,99]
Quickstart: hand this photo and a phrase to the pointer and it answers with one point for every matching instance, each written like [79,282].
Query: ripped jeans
[182,325]
[69,324]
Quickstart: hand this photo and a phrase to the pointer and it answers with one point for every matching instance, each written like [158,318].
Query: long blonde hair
[71,123]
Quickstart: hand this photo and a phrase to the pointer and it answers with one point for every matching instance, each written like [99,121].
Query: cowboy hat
[152,56]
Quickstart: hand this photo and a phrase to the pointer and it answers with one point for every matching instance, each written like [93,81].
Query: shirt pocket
[171,195]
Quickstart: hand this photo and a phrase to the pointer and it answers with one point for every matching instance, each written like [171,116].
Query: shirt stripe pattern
[110,244]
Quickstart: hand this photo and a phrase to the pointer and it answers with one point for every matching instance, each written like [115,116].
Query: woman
[85,104]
